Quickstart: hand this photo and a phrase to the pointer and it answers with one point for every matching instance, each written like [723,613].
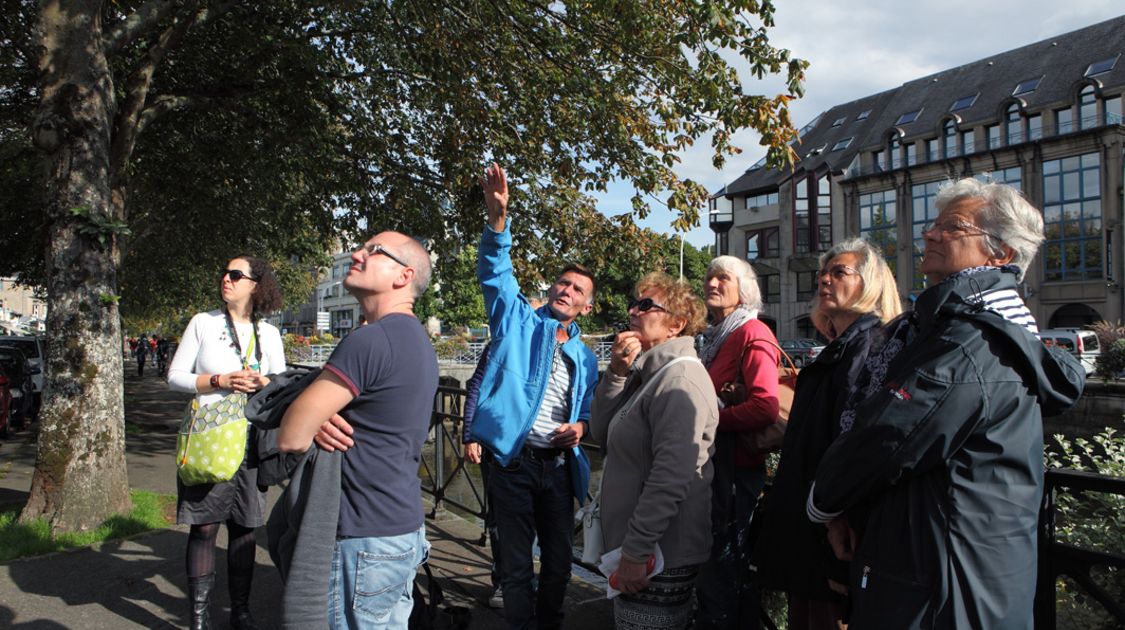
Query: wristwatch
[215,381]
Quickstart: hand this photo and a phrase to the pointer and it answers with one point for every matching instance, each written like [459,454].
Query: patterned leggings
[666,603]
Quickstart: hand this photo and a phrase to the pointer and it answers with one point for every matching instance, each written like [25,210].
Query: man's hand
[841,537]
[626,348]
[495,185]
[472,452]
[334,435]
[631,577]
[568,435]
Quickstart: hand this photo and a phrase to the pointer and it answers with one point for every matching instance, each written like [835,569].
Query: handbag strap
[783,356]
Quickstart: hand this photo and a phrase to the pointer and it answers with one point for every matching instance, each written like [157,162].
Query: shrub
[1091,520]
[1111,361]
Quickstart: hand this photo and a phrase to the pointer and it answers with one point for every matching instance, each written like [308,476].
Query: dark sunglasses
[236,275]
[644,305]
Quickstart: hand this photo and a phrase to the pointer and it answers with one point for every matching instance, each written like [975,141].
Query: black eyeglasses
[236,275]
[375,248]
[644,305]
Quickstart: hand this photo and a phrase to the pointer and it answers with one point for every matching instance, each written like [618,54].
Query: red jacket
[758,374]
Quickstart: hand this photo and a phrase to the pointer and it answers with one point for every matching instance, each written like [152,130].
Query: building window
[1098,67]
[1064,121]
[1072,218]
[877,223]
[1087,108]
[912,154]
[880,160]
[993,134]
[863,115]
[839,121]
[762,243]
[842,144]
[764,199]
[1010,176]
[1034,126]
[931,149]
[949,135]
[965,102]
[908,117]
[1026,87]
[922,212]
[1014,126]
[806,285]
[722,243]
[823,213]
[1113,111]
[770,287]
[802,226]
[967,144]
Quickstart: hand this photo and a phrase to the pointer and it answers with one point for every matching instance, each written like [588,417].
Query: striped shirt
[1008,304]
[555,408]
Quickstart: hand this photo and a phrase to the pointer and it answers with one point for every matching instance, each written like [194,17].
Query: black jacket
[949,452]
[792,552]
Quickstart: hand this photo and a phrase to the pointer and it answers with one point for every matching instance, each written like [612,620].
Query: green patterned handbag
[212,440]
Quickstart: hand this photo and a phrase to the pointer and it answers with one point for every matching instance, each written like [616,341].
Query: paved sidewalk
[140,583]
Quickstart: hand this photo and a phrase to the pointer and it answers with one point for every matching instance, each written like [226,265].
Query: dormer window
[1027,87]
[863,115]
[839,121]
[1099,67]
[965,102]
[842,144]
[909,117]
[816,151]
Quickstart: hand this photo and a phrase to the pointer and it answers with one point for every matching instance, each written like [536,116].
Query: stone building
[1046,118]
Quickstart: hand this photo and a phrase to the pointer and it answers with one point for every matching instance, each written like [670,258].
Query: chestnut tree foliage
[146,142]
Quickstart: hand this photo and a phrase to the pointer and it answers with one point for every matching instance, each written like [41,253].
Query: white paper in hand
[612,558]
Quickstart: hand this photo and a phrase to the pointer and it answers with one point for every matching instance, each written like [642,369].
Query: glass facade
[877,223]
[1072,218]
[922,212]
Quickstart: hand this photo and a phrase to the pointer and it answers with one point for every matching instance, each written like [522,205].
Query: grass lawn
[150,511]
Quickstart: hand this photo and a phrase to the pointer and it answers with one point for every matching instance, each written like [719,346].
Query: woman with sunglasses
[657,424]
[223,351]
[737,349]
[856,296]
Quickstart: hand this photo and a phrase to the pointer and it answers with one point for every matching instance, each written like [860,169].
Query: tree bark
[80,476]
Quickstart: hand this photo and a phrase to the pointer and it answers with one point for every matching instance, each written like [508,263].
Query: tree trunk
[80,477]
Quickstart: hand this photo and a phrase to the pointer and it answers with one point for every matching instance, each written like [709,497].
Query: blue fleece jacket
[523,342]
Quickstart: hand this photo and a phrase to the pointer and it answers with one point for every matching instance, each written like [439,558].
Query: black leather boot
[199,591]
[240,617]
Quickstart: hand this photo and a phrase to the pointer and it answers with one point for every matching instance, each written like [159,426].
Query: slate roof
[1061,61]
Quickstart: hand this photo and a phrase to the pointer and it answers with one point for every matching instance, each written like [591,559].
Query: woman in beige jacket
[656,482]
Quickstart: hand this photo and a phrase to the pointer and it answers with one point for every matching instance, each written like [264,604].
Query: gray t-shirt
[391,368]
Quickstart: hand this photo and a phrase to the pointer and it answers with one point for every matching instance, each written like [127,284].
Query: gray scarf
[716,335]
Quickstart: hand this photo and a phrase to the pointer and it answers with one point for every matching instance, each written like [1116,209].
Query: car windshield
[30,348]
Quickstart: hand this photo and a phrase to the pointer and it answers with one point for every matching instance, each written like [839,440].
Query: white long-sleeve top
[206,348]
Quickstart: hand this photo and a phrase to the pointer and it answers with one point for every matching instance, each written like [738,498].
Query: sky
[867,46]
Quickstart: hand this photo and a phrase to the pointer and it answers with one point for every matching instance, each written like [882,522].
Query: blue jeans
[372,580]
[533,496]
[725,592]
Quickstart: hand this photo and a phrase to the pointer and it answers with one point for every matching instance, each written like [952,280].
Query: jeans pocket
[381,581]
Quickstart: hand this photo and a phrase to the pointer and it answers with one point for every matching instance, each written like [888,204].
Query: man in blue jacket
[534,403]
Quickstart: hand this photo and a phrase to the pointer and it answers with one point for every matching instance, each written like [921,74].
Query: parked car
[1083,344]
[35,349]
[802,351]
[5,407]
[19,372]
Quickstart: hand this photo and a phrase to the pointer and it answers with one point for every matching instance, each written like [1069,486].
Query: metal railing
[442,468]
[1057,559]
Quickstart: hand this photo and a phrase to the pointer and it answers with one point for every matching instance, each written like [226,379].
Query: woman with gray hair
[739,349]
[856,295]
[945,454]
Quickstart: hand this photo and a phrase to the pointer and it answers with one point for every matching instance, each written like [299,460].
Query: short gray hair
[414,252]
[749,295]
[1006,215]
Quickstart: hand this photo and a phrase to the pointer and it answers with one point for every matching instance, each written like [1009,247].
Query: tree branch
[141,22]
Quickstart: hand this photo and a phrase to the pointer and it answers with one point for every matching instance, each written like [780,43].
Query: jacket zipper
[863,581]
